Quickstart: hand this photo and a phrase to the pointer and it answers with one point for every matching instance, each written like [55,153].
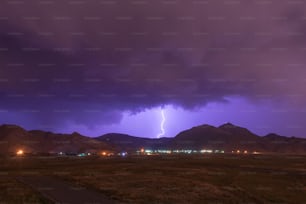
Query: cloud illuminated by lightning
[162,125]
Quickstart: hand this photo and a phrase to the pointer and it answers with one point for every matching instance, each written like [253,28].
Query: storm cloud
[90,60]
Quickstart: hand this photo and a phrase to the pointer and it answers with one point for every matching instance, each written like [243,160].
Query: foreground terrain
[164,179]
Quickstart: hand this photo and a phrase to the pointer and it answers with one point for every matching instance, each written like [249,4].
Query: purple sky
[96,66]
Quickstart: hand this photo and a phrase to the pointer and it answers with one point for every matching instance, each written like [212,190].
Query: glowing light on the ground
[20,152]
[162,133]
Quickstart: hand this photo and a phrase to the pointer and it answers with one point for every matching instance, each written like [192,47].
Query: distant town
[141,151]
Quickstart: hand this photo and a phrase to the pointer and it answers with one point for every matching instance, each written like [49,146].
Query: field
[165,179]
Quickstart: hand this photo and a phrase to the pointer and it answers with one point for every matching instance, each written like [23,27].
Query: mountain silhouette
[127,142]
[227,137]
[13,137]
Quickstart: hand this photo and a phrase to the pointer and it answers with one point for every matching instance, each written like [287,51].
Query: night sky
[98,66]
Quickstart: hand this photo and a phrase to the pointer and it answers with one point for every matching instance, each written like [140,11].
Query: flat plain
[223,178]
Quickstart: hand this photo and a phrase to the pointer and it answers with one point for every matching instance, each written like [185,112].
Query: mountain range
[227,137]
[13,138]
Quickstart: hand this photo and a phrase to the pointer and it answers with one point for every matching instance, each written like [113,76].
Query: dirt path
[63,192]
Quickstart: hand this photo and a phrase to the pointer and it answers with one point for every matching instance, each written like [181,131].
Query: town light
[19,152]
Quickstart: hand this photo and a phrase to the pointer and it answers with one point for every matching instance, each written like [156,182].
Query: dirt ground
[165,179]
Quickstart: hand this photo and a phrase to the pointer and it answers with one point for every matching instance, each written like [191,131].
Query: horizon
[150,128]
[155,138]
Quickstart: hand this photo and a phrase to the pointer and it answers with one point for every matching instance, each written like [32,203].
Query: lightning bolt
[162,133]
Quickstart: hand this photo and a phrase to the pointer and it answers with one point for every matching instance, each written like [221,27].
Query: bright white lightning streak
[162,125]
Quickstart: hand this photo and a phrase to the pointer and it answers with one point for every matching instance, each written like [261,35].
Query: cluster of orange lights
[106,154]
[20,152]
[244,152]
[240,152]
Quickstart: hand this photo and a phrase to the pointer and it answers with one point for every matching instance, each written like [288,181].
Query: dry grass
[12,191]
[169,179]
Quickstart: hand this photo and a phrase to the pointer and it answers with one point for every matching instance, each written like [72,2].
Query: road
[59,191]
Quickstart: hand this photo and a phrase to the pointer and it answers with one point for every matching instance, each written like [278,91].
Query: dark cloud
[104,57]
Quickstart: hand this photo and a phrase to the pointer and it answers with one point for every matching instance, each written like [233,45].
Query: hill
[13,138]
[227,137]
[129,143]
